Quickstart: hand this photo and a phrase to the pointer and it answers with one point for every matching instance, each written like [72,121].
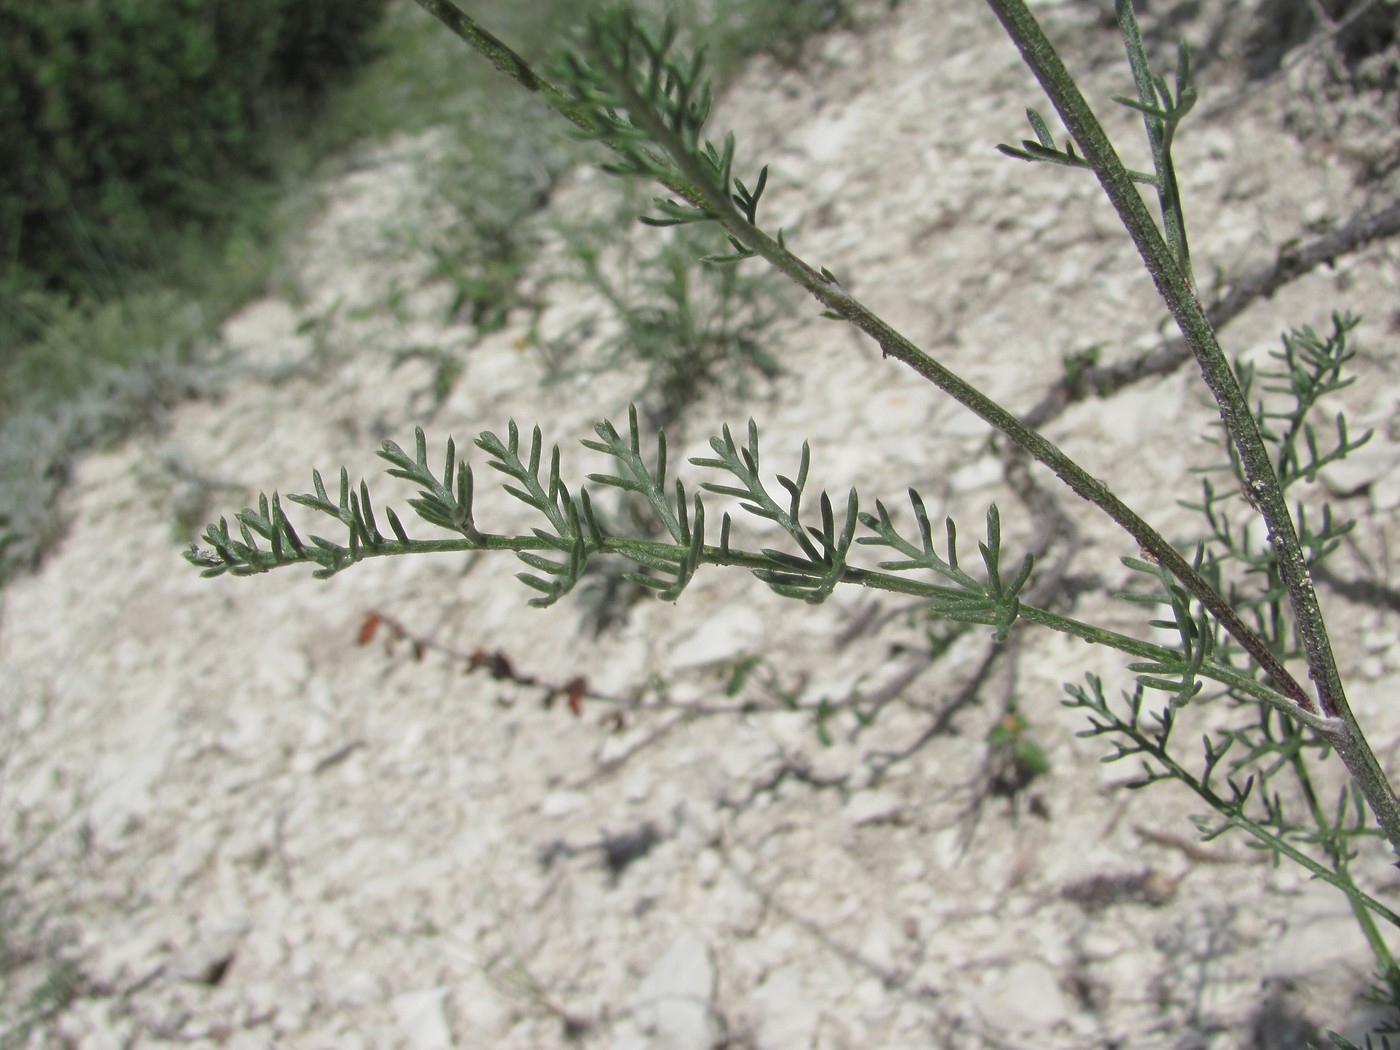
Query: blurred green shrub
[122,119]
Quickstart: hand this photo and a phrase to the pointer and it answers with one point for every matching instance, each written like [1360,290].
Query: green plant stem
[514,66]
[1341,728]
[1336,846]
[698,191]
[1222,673]
[1159,137]
[894,344]
[1232,812]
[1262,489]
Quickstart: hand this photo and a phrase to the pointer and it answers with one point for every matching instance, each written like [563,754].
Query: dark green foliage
[117,119]
[135,208]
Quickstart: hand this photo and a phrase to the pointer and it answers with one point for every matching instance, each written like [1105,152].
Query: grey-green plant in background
[683,327]
[634,92]
[691,327]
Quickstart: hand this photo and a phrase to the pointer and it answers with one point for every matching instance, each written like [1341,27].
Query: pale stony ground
[272,836]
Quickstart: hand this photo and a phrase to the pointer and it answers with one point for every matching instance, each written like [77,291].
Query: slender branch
[1233,813]
[514,66]
[1159,136]
[1294,260]
[894,344]
[1262,489]
[694,184]
[502,57]
[1333,841]
[697,189]
[762,561]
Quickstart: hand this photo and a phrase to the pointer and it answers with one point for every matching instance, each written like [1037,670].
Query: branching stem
[514,66]
[1233,813]
[693,183]
[1262,489]
[896,345]
[895,583]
